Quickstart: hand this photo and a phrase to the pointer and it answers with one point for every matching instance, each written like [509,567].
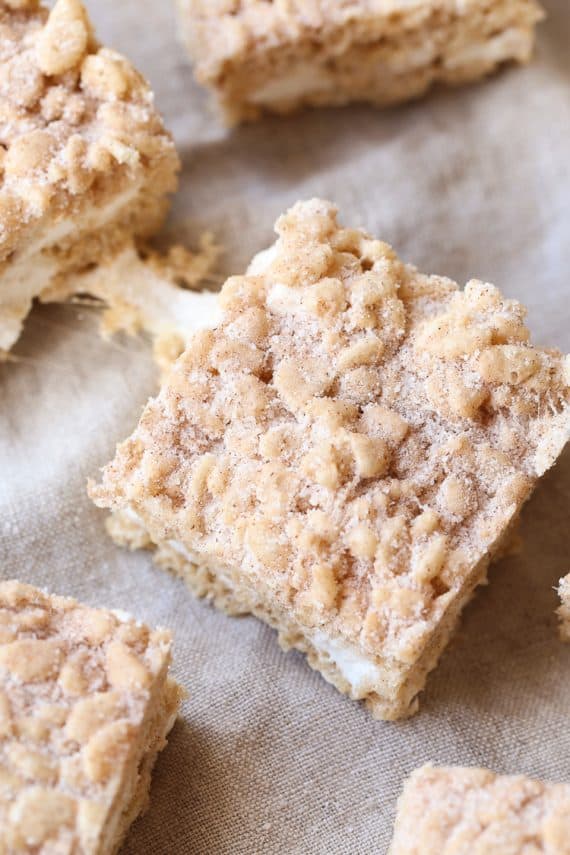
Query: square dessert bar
[277,56]
[85,706]
[85,160]
[344,453]
[456,811]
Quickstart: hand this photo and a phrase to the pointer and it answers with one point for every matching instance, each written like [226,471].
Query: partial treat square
[564,608]
[344,453]
[85,706]
[86,162]
[456,811]
[257,56]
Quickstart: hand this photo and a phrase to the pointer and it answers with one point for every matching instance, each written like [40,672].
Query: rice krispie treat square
[344,453]
[85,707]
[455,811]
[257,56]
[85,160]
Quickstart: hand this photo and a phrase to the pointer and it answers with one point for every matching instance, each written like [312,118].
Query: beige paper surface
[267,757]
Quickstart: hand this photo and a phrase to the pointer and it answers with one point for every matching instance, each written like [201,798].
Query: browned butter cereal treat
[85,707]
[85,161]
[277,56]
[457,811]
[344,453]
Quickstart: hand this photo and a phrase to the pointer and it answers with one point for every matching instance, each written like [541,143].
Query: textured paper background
[266,757]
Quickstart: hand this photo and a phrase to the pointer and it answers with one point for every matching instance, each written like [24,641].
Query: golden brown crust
[354,434]
[382,51]
[84,699]
[456,811]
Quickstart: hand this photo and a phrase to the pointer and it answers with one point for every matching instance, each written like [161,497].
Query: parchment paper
[267,757]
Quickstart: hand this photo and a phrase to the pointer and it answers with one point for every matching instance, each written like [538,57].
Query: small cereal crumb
[63,42]
[564,608]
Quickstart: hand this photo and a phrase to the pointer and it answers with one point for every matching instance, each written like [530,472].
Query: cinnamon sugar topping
[354,434]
